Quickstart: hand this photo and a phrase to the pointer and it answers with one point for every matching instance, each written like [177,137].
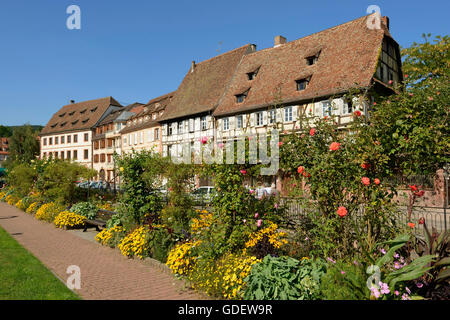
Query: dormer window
[93,109]
[62,115]
[71,113]
[83,111]
[85,120]
[241,97]
[252,75]
[312,59]
[54,125]
[63,124]
[302,83]
[74,122]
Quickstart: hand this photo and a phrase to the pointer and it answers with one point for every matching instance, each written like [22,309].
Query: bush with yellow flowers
[136,244]
[33,207]
[11,199]
[224,277]
[49,211]
[106,206]
[110,237]
[180,260]
[266,240]
[203,222]
[2,195]
[69,220]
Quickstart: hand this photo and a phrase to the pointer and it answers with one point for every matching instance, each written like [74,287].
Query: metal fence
[434,217]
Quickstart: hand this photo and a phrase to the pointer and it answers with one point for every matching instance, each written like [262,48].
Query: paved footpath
[105,273]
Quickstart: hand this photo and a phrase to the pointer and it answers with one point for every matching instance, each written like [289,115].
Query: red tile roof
[78,116]
[348,56]
[202,89]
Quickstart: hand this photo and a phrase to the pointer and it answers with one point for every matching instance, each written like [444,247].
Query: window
[141,138]
[240,97]
[259,118]
[129,140]
[69,139]
[86,137]
[156,136]
[44,155]
[252,75]
[44,142]
[203,122]
[75,138]
[135,138]
[326,108]
[226,124]
[348,106]
[288,114]
[102,144]
[312,59]
[62,139]
[272,116]
[124,140]
[169,129]
[68,155]
[56,140]
[75,154]
[62,155]
[56,155]
[86,154]
[191,125]
[180,127]
[388,67]
[239,122]
[74,122]
[95,158]
[50,141]
[302,84]
[102,158]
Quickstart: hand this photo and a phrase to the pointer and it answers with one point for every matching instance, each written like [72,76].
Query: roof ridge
[222,54]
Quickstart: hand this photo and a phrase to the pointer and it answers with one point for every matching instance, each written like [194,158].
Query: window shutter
[294,113]
[252,119]
[264,117]
[197,124]
[318,109]
[232,123]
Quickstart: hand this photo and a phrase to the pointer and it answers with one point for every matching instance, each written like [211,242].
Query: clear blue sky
[136,50]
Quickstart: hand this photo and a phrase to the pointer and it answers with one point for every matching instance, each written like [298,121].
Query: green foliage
[23,145]
[179,210]
[161,240]
[57,180]
[141,174]
[86,209]
[344,281]
[284,278]
[5,131]
[22,176]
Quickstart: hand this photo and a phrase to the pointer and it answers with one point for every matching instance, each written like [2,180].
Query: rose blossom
[365,181]
[342,212]
[334,146]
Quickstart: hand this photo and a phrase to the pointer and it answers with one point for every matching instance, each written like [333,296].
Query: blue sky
[136,50]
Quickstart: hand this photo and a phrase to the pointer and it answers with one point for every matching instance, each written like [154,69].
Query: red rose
[300,169]
[280,143]
[365,181]
[357,113]
[422,220]
[365,165]
[342,212]
[312,132]
[334,146]
[419,194]
[411,225]
[244,172]
[306,175]
[377,181]
[413,187]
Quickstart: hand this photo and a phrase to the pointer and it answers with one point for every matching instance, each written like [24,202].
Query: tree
[412,125]
[23,145]
[5,131]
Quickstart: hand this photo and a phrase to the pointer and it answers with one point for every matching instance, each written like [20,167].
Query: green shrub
[161,240]
[86,209]
[284,278]
[345,281]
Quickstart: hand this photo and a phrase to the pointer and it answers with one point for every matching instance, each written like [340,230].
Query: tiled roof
[347,57]
[154,105]
[78,116]
[201,90]
[116,113]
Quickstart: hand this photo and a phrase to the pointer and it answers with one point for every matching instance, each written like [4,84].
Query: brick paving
[105,273]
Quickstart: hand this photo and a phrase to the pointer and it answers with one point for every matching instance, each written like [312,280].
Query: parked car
[203,194]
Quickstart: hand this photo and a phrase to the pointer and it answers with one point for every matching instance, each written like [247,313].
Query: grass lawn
[23,277]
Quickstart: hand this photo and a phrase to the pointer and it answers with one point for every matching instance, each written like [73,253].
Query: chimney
[385,20]
[72,101]
[279,40]
[192,66]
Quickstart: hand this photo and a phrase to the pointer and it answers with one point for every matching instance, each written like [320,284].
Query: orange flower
[377,181]
[365,181]
[411,225]
[300,169]
[334,146]
[342,212]
[312,132]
